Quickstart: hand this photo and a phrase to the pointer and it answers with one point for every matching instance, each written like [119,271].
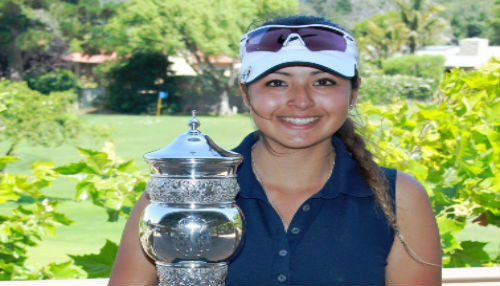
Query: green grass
[133,136]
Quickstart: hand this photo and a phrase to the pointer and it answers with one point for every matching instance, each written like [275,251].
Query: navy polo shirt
[337,237]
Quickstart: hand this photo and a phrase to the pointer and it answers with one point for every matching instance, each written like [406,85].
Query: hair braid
[373,174]
[376,179]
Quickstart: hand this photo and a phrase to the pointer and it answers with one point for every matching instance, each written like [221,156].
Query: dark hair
[302,20]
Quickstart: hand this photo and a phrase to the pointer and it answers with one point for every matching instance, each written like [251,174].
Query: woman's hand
[132,266]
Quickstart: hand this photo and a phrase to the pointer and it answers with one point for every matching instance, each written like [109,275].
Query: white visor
[257,64]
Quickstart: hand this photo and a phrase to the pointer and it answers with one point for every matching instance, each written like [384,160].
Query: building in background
[471,53]
[83,65]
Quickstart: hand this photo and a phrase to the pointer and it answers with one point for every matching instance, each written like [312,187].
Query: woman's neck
[294,170]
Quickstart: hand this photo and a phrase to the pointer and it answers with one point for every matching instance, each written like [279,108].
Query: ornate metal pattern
[174,190]
[192,274]
[194,236]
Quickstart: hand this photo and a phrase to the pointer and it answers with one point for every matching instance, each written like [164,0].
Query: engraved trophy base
[191,273]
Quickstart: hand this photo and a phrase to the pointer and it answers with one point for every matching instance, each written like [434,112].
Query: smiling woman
[318,209]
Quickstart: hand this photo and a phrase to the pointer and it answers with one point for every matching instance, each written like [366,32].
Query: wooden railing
[473,276]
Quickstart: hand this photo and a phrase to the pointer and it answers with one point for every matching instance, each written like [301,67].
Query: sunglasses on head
[315,37]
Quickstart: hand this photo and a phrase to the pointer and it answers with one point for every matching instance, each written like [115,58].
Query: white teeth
[300,121]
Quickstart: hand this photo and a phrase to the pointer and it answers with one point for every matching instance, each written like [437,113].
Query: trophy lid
[193,154]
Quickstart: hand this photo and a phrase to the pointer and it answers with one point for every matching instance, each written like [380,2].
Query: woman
[318,210]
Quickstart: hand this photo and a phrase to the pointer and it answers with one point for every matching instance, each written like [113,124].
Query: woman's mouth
[300,120]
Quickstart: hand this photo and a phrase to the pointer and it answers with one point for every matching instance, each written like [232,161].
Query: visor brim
[258,64]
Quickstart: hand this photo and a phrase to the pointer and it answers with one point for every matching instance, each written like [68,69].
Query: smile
[301,120]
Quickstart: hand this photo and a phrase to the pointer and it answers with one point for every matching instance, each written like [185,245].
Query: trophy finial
[193,122]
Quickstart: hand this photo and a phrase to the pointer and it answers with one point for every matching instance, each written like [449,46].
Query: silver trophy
[192,224]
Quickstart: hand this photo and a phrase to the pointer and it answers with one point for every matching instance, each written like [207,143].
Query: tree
[494,24]
[424,24]
[35,34]
[467,18]
[198,32]
[23,29]
[331,9]
[380,36]
[26,114]
[82,24]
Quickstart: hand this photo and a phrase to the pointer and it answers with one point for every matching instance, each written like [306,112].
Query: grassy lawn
[133,136]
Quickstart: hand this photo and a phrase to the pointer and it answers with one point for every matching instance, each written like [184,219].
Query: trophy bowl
[192,225]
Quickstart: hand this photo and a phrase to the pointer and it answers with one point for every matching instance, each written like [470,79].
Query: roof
[89,59]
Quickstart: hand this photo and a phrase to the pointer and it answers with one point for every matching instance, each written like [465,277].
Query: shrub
[56,80]
[37,118]
[134,82]
[383,88]
[451,145]
[425,66]
[28,223]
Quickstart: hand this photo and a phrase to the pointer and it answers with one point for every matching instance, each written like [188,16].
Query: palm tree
[381,36]
[424,24]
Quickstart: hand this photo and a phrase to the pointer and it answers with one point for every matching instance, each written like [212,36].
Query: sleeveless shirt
[337,237]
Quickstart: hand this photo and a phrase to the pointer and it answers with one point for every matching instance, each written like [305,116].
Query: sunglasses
[315,37]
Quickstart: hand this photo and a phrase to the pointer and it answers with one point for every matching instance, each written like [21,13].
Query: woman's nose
[300,98]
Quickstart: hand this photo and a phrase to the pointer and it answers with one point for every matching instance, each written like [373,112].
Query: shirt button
[295,230]
[281,278]
[283,252]
[306,207]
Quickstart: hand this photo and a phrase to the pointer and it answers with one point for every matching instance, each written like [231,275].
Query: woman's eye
[324,81]
[276,83]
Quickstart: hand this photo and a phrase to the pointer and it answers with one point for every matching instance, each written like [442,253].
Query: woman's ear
[244,92]
[354,92]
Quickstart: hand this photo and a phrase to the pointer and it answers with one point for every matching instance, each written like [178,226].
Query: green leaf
[98,265]
[127,166]
[62,219]
[6,159]
[72,168]
[450,226]
[113,214]
[471,254]
[64,270]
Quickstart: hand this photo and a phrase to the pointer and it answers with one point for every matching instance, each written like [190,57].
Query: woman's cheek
[267,103]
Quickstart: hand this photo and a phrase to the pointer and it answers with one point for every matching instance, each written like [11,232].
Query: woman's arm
[132,266]
[418,226]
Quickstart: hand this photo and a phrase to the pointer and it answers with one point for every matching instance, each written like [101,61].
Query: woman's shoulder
[410,193]
[416,221]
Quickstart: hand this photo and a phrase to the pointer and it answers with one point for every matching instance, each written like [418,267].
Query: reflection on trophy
[192,225]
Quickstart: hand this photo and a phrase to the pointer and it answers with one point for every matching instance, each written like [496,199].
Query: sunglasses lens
[319,39]
[270,39]
[316,39]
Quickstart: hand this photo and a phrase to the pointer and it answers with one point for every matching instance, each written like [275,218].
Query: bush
[29,223]
[56,80]
[134,82]
[46,120]
[35,118]
[451,145]
[426,66]
[382,89]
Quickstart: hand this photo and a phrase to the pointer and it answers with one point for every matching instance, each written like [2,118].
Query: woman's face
[299,107]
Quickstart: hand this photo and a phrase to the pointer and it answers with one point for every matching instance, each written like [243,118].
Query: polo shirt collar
[346,177]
